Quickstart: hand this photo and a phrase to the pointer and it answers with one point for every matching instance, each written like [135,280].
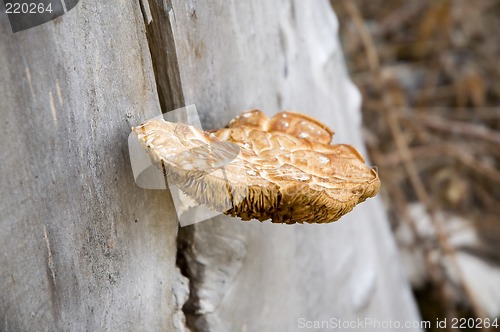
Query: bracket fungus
[282,168]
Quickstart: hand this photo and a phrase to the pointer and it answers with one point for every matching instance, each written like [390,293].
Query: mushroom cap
[281,168]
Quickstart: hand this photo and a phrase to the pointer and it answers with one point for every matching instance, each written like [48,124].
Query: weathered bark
[83,249]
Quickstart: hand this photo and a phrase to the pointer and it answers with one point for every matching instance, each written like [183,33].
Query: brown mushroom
[281,168]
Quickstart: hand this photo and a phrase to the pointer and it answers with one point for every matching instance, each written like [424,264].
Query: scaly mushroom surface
[282,168]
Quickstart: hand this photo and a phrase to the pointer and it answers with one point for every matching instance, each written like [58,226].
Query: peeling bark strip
[161,42]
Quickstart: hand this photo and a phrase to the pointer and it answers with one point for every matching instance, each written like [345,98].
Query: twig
[459,128]
[444,149]
[484,113]
[417,184]
[364,34]
[407,12]
[401,207]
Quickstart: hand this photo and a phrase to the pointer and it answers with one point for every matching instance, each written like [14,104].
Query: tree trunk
[85,249]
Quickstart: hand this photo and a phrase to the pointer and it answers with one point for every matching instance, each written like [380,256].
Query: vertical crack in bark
[161,43]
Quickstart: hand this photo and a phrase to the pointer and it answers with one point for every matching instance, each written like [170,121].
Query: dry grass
[429,73]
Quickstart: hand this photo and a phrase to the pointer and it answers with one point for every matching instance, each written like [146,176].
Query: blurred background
[429,74]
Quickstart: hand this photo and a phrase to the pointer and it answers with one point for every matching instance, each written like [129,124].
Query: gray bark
[84,249]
